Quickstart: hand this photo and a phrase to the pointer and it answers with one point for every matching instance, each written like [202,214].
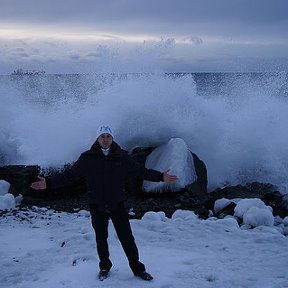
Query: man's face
[105,140]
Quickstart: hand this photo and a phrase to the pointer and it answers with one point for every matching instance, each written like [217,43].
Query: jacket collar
[115,149]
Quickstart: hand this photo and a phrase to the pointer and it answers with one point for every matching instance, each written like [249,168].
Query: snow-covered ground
[43,248]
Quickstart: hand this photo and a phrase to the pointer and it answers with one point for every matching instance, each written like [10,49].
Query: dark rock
[201,172]
[228,210]
[20,177]
[275,200]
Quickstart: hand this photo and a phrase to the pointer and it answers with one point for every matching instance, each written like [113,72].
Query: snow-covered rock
[221,204]
[84,213]
[154,216]
[256,216]
[154,221]
[228,222]
[7,202]
[4,187]
[254,213]
[184,215]
[245,204]
[173,156]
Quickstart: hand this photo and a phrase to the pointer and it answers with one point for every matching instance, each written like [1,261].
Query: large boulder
[175,157]
[198,186]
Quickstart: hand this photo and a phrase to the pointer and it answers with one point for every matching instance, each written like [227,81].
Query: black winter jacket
[104,175]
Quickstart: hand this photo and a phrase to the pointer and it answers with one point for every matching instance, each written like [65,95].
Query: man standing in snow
[105,167]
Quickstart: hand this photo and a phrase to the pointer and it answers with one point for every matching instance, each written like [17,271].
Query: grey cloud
[50,43]
[206,33]
[75,57]
[162,16]
[18,52]
[193,40]
[92,55]
[181,10]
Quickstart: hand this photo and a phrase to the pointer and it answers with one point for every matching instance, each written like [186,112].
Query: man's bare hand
[39,185]
[169,178]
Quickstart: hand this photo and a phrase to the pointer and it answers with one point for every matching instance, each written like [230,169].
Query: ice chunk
[174,156]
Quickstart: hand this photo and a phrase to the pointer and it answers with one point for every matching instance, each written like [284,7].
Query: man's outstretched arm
[65,178]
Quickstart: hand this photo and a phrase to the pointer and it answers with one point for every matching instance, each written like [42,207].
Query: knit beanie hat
[104,129]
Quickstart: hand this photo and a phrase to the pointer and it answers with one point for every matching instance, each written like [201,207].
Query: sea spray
[236,123]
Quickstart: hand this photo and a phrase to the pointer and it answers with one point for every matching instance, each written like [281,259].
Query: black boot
[145,276]
[103,274]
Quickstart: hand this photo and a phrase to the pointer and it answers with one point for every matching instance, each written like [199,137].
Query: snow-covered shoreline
[44,248]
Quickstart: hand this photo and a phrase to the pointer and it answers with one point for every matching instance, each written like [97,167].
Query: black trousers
[120,220]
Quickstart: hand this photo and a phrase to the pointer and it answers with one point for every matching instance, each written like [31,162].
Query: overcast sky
[70,36]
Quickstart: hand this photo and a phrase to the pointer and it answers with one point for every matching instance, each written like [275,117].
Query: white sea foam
[237,124]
